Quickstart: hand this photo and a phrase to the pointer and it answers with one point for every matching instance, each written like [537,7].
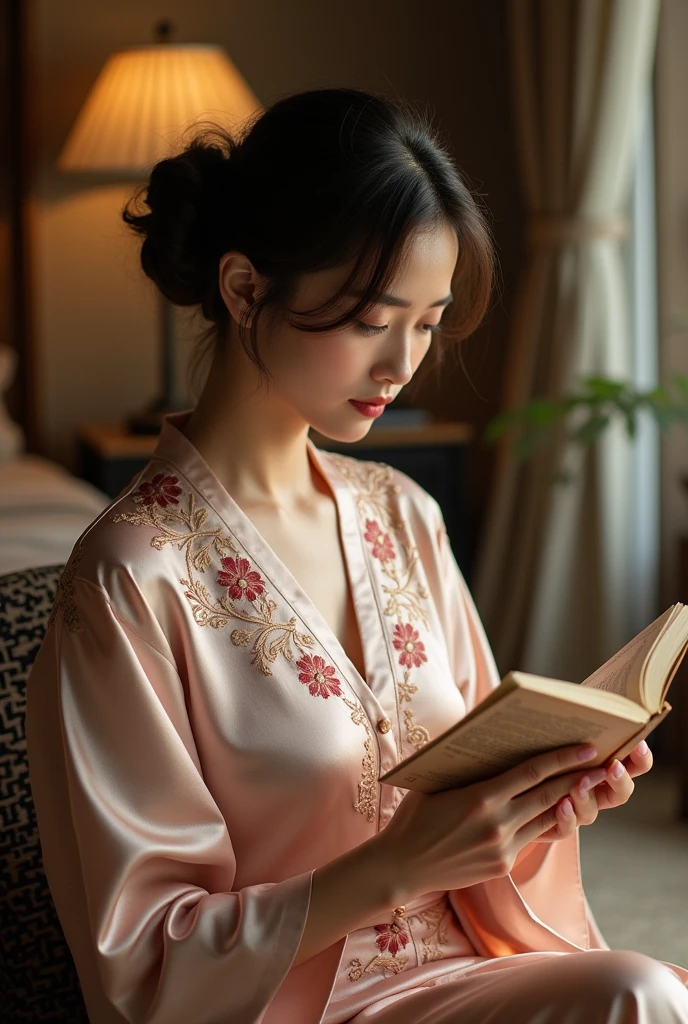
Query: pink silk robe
[199,743]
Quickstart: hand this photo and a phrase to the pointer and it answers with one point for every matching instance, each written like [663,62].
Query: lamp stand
[150,421]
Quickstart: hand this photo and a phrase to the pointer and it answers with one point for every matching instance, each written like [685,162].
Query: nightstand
[433,455]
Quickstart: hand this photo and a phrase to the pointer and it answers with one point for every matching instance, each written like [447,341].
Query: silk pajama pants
[436,978]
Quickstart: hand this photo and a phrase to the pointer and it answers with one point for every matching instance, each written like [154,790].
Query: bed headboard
[15,183]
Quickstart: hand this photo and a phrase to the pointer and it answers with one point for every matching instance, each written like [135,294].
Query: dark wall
[451,55]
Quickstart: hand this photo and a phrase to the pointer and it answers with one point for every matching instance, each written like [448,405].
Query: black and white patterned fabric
[38,980]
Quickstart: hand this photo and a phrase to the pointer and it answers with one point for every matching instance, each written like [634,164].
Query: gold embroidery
[433,918]
[378,965]
[392,937]
[374,487]
[367,787]
[406,689]
[206,610]
[416,735]
[65,600]
[160,508]
[374,484]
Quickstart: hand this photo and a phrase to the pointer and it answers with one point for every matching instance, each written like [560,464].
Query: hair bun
[180,239]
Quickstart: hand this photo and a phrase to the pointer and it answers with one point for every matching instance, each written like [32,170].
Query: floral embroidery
[374,487]
[382,546]
[161,490]
[433,917]
[406,689]
[412,649]
[392,937]
[240,580]
[318,677]
[395,937]
[184,529]
[65,598]
[368,786]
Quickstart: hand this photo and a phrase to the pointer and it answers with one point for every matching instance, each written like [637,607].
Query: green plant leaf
[590,430]
[681,383]
[542,411]
[658,396]
[525,445]
[603,388]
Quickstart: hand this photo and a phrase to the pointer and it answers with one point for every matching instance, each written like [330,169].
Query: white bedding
[43,512]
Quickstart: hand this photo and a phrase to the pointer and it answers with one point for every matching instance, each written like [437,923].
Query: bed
[44,509]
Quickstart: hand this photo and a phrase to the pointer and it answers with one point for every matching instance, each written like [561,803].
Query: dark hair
[319,179]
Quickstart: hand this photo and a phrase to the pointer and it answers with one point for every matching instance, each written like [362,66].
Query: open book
[614,709]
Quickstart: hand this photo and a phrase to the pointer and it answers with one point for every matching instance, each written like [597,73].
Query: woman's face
[317,375]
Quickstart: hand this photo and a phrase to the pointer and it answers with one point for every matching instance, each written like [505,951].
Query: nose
[395,361]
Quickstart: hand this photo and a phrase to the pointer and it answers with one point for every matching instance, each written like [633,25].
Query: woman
[255,630]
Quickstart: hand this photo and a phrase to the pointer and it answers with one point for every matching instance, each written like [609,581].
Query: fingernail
[567,807]
[643,747]
[617,770]
[586,753]
[588,782]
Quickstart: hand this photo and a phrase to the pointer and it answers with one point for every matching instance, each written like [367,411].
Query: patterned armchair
[38,980]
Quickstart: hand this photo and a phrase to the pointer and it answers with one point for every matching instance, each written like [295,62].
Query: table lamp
[135,114]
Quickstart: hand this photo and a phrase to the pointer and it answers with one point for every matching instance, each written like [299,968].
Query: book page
[515,728]
[623,672]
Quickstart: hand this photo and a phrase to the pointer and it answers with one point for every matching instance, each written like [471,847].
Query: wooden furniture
[16,109]
[433,455]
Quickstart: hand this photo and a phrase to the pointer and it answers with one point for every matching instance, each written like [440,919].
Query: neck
[254,444]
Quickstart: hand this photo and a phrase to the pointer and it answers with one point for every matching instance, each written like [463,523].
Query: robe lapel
[375,695]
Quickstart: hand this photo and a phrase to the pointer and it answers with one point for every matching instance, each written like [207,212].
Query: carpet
[635,870]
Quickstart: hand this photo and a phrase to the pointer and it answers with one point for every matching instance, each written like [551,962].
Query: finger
[613,792]
[548,793]
[566,823]
[620,784]
[639,761]
[535,770]
[552,821]
[584,799]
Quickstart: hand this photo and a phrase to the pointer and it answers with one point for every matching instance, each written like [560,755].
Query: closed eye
[378,329]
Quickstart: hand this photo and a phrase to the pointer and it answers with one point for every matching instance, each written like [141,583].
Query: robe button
[384,725]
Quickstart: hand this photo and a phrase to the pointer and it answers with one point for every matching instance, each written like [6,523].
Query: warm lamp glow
[143,100]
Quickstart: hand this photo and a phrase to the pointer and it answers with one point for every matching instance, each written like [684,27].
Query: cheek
[331,361]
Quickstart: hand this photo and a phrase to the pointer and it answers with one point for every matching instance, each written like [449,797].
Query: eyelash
[370,329]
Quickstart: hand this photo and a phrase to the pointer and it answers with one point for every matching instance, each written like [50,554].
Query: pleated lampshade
[143,100]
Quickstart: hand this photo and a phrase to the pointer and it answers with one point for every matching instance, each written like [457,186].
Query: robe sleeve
[136,851]
[546,877]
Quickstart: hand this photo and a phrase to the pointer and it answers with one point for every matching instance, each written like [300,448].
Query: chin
[344,433]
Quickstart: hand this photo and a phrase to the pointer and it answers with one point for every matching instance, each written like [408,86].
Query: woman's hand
[459,837]
[601,789]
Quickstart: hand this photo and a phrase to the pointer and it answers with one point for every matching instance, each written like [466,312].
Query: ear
[240,283]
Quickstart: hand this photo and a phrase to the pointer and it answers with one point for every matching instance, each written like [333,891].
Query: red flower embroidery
[391,937]
[382,544]
[412,649]
[161,490]
[318,676]
[240,579]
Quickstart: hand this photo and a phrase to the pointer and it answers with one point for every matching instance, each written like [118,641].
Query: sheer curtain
[555,573]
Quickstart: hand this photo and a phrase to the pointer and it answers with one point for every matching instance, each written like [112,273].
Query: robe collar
[178,451]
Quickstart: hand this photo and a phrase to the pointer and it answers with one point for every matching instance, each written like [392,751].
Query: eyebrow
[393,300]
